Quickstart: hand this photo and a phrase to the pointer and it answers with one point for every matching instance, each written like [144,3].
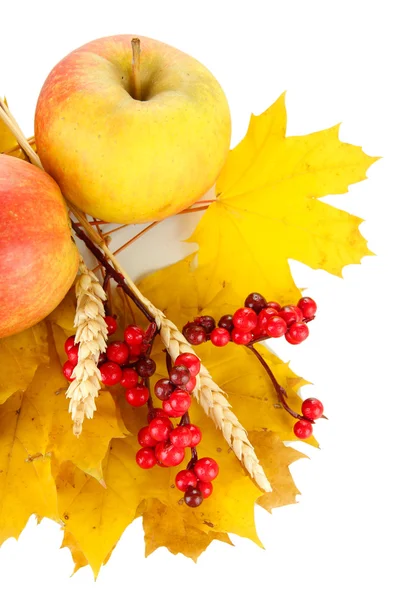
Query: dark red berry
[180,401]
[196,435]
[111,325]
[180,375]
[205,488]
[170,412]
[68,368]
[146,458]
[241,337]
[156,412]
[133,335]
[181,436]
[190,361]
[145,439]
[220,337]
[312,408]
[245,319]
[274,305]
[297,333]
[145,367]
[303,429]
[206,469]
[137,396]
[163,389]
[226,322]
[308,307]
[72,354]
[195,334]
[193,497]
[256,302]
[276,327]
[102,359]
[190,386]
[184,479]
[169,455]
[289,315]
[111,373]
[129,378]
[263,319]
[118,352]
[207,322]
[69,343]
[159,428]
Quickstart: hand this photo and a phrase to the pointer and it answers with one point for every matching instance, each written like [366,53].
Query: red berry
[133,335]
[129,378]
[241,337]
[169,455]
[137,396]
[163,389]
[180,375]
[159,428]
[170,412]
[72,354]
[156,412]
[196,435]
[299,313]
[226,322]
[68,368]
[145,367]
[297,333]
[289,315]
[135,351]
[111,373]
[206,469]
[193,497]
[312,408]
[146,458]
[195,334]
[184,479]
[256,302]
[274,305]
[208,323]
[308,307]
[111,325]
[220,336]
[118,352]
[191,384]
[245,319]
[263,318]
[180,401]
[190,361]
[303,429]
[69,343]
[145,439]
[205,488]
[276,327]
[181,437]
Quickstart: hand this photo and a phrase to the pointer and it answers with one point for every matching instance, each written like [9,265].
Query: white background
[338,62]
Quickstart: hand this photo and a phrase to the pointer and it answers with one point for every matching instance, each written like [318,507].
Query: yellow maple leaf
[7,140]
[267,210]
[20,356]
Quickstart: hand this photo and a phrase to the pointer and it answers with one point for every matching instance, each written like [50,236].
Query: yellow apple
[124,159]
[38,259]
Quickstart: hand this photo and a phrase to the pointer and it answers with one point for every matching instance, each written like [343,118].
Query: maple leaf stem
[118,277]
[280,391]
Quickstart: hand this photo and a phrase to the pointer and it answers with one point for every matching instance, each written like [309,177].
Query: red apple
[38,259]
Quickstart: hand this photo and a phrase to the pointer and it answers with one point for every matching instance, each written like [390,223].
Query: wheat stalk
[208,393]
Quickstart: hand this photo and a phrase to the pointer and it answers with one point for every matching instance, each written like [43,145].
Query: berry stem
[118,277]
[280,391]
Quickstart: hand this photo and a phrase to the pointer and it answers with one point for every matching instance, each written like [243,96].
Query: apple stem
[136,66]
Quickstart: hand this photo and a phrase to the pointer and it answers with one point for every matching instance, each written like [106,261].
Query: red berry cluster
[312,409]
[164,445]
[258,320]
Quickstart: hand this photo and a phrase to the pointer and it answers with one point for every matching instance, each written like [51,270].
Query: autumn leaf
[267,210]
[20,356]
[7,140]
